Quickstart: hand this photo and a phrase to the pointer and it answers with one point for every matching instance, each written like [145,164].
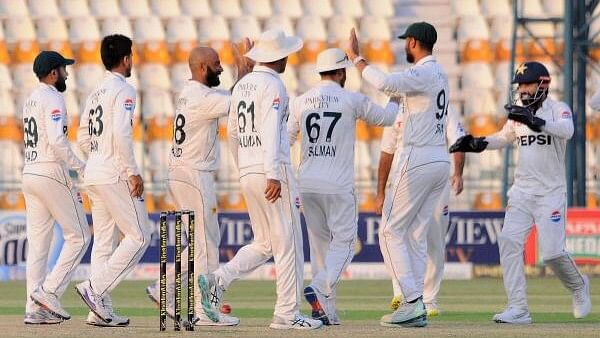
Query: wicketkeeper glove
[525,115]
[469,144]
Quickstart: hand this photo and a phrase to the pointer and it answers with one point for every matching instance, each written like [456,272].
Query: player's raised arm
[57,139]
[561,125]
[373,113]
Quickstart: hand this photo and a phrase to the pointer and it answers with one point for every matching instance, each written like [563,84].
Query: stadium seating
[474,43]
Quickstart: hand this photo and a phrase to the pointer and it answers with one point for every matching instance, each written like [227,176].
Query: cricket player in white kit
[326,117]
[540,128]
[113,182]
[391,143]
[192,163]
[259,141]
[423,166]
[50,195]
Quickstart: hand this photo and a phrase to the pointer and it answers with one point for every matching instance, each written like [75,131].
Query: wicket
[177,262]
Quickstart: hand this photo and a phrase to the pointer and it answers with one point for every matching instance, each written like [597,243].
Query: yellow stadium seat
[502,51]
[593,200]
[10,129]
[182,51]
[63,47]
[308,53]
[375,132]
[222,132]
[595,54]
[12,200]
[87,204]
[534,50]
[487,201]
[89,52]
[155,52]
[25,52]
[362,131]
[482,125]
[4,58]
[160,129]
[477,51]
[224,50]
[379,52]
[138,131]
[73,125]
[366,202]
[150,203]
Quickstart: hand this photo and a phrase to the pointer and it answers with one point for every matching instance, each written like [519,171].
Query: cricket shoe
[432,309]
[407,315]
[582,302]
[396,301]
[299,322]
[513,316]
[41,317]
[318,304]
[224,320]
[211,296]
[50,302]
[116,319]
[153,292]
[93,300]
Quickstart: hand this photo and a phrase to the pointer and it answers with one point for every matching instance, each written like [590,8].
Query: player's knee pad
[565,269]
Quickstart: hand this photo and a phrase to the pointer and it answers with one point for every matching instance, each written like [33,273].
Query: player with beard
[113,181]
[50,195]
[422,170]
[540,127]
[192,163]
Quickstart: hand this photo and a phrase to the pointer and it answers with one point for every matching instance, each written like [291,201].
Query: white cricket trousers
[332,222]
[548,213]
[113,207]
[195,190]
[436,251]
[277,234]
[50,196]
[407,215]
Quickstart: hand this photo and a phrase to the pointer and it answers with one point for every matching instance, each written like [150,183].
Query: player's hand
[136,186]
[457,184]
[469,144]
[243,64]
[525,115]
[273,190]
[379,203]
[353,49]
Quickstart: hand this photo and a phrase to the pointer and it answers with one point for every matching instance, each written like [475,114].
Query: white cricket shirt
[195,127]
[326,118]
[425,87]
[105,131]
[45,129]
[540,168]
[257,124]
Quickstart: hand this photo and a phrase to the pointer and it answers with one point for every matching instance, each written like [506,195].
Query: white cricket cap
[332,59]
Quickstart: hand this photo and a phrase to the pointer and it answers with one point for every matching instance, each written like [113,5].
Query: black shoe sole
[48,309]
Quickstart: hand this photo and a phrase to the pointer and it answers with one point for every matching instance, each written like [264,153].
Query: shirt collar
[327,83]
[120,76]
[425,59]
[266,70]
[193,82]
[45,85]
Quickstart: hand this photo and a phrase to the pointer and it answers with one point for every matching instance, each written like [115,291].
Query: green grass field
[467,308]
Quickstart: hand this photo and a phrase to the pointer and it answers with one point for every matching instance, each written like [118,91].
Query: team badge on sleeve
[276,103]
[566,115]
[128,105]
[445,210]
[56,115]
[555,216]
